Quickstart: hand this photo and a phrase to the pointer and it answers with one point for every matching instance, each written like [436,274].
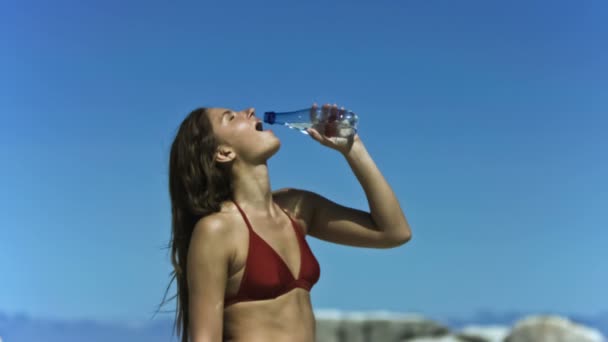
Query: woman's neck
[251,189]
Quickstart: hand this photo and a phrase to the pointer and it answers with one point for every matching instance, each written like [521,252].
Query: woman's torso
[288,317]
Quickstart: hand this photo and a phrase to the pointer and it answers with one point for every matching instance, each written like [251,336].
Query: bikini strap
[294,224]
[243,215]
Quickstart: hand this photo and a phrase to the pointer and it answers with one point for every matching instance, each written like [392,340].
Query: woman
[242,264]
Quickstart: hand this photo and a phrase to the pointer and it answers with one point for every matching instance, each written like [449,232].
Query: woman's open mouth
[259,127]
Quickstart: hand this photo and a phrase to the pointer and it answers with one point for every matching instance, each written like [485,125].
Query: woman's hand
[328,136]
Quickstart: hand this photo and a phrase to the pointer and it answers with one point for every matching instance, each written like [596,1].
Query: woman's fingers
[318,137]
[325,112]
[313,112]
[314,134]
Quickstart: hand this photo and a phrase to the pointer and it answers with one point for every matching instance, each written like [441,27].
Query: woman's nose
[250,112]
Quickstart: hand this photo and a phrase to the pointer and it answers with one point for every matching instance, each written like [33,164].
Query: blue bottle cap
[269,117]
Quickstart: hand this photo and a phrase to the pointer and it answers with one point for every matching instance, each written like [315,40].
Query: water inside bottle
[299,126]
[340,130]
[342,124]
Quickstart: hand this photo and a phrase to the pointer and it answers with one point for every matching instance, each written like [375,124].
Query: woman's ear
[224,154]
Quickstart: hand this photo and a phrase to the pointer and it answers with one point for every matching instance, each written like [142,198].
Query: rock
[458,337]
[398,330]
[328,330]
[552,328]
[490,333]
[445,338]
[367,327]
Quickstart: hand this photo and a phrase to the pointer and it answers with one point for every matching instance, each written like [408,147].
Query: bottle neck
[270,117]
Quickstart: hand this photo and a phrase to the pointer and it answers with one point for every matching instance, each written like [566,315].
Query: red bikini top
[266,275]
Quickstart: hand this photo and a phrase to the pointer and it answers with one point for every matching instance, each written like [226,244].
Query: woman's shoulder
[296,202]
[293,196]
[289,199]
[290,193]
[222,220]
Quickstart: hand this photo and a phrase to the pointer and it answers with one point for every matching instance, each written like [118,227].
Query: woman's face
[240,135]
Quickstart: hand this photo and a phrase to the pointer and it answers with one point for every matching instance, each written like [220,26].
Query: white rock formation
[337,326]
[490,333]
[384,326]
[552,328]
[446,338]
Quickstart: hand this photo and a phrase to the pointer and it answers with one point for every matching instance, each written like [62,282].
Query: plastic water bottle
[329,121]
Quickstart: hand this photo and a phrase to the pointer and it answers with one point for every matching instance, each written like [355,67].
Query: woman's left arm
[384,226]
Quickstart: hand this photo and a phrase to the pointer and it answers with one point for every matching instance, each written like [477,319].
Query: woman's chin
[274,148]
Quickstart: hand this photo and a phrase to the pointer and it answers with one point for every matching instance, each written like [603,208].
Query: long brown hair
[197,187]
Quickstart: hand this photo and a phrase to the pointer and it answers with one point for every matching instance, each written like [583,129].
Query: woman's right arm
[208,260]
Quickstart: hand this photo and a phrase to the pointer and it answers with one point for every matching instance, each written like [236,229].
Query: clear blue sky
[488,118]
